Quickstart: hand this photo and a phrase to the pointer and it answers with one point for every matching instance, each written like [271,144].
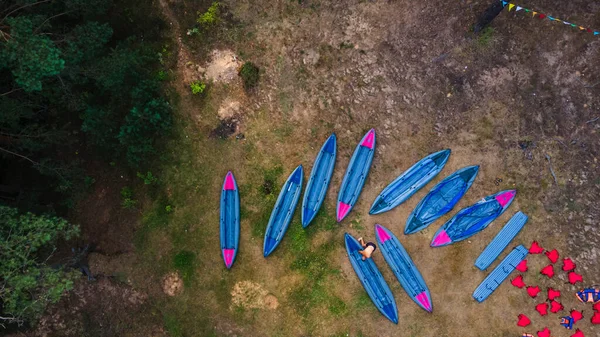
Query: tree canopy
[69,66]
[27,283]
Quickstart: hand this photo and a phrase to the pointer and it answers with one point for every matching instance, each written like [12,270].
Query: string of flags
[542,16]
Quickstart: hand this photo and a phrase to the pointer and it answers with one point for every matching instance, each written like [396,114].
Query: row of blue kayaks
[440,200]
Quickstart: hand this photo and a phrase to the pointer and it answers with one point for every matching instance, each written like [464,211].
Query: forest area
[83,91]
[120,120]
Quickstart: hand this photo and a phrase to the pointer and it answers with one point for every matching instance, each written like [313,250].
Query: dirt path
[183,55]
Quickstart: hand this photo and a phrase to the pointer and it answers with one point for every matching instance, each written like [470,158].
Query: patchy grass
[184,261]
[485,37]
[172,325]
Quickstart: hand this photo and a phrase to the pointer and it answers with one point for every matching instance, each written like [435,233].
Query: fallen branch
[561,142]
[35,163]
[592,120]
[587,85]
[551,170]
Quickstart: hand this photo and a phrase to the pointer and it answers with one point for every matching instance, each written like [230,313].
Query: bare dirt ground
[508,100]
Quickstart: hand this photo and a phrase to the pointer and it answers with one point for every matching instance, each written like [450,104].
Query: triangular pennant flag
[573,25]
[504,3]
[596,33]
[566,23]
[526,10]
[510,6]
[542,16]
[581,28]
[533,13]
[551,18]
[519,8]
[589,31]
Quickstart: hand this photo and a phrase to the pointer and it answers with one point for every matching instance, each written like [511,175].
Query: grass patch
[486,36]
[337,307]
[172,325]
[262,201]
[315,266]
[363,300]
[184,263]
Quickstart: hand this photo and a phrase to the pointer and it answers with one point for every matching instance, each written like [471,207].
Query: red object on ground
[533,291]
[577,315]
[556,307]
[574,277]
[518,282]
[596,318]
[544,333]
[568,264]
[597,306]
[522,266]
[552,255]
[553,293]
[542,308]
[523,320]
[578,333]
[535,248]
[548,271]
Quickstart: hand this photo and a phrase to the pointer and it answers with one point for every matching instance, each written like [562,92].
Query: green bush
[197,87]
[128,202]
[211,16]
[250,75]
[148,178]
[28,284]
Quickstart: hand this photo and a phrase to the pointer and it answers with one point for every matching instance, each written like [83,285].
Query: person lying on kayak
[369,248]
[589,295]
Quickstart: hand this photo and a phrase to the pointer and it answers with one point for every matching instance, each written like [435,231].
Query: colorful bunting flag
[542,16]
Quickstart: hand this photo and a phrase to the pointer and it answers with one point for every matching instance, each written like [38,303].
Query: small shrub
[162,75]
[250,75]
[148,178]
[168,208]
[211,16]
[193,31]
[127,196]
[197,87]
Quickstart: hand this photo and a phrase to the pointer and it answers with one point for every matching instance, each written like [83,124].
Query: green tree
[27,283]
[67,66]
[31,57]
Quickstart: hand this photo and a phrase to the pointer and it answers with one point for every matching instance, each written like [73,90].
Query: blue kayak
[318,182]
[283,211]
[356,174]
[441,199]
[409,182]
[403,267]
[501,240]
[473,219]
[230,219]
[500,273]
[372,280]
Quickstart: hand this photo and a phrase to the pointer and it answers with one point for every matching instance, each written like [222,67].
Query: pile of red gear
[552,305]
